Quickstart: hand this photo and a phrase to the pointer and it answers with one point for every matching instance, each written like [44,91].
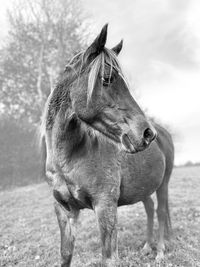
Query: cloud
[153,30]
[159,32]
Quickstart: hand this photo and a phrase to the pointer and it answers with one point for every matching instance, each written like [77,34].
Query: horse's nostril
[149,135]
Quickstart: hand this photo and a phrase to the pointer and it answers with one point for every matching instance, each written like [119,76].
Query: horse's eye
[107,80]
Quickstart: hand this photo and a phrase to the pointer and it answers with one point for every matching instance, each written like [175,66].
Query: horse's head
[100,97]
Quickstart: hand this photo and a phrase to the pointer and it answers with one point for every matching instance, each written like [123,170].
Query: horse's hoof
[146,249]
[160,257]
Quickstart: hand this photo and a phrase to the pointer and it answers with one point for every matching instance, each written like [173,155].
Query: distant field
[29,233]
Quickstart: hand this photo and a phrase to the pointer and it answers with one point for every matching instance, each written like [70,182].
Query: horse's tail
[168,224]
[41,133]
[43,150]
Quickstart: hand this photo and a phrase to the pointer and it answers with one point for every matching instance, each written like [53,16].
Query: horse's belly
[141,175]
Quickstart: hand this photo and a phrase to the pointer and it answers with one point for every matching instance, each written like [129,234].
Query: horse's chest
[89,180]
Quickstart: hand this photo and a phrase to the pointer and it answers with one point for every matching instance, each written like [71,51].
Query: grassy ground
[29,233]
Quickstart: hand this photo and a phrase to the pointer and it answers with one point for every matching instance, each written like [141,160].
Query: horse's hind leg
[149,208]
[163,217]
[67,223]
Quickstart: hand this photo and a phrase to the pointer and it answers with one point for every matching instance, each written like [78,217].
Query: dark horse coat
[101,150]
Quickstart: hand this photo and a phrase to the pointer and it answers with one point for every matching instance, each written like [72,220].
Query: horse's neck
[75,141]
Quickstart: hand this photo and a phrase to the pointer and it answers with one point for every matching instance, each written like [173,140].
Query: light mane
[97,68]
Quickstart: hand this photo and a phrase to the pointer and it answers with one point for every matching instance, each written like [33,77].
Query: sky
[160,57]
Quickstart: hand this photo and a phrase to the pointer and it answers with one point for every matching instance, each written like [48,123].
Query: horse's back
[142,173]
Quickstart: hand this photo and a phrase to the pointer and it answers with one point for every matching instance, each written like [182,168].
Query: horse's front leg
[67,223]
[106,213]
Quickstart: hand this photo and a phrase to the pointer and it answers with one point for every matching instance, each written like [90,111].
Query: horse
[101,151]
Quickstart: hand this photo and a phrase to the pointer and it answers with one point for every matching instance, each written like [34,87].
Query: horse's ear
[118,47]
[98,45]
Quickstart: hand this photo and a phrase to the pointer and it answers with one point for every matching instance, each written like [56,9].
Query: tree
[43,35]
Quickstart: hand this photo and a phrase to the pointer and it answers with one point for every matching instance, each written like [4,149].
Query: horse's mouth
[128,146]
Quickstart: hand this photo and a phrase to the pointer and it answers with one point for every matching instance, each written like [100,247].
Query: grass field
[29,233]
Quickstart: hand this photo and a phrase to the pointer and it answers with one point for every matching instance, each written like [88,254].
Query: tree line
[43,35]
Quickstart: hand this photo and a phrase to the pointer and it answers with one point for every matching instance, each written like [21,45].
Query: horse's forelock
[97,67]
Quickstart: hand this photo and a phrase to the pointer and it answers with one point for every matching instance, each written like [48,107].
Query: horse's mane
[60,95]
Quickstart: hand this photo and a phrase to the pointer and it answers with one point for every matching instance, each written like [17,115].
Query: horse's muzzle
[131,145]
